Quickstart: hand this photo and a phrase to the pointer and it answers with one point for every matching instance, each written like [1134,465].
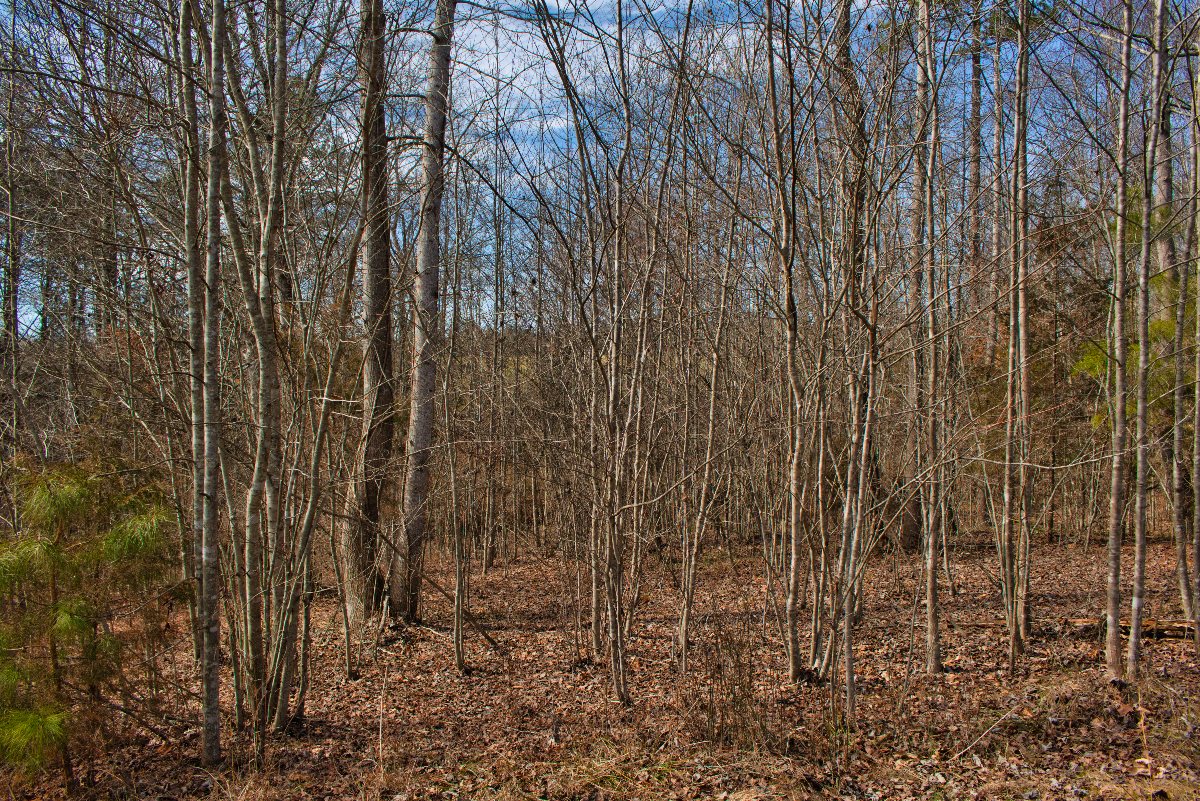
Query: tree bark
[1196,365]
[1133,653]
[210,546]
[408,565]
[1174,276]
[1020,252]
[12,269]
[364,583]
[933,501]
[1116,508]
[195,293]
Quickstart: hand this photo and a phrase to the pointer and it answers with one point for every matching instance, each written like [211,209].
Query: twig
[469,617]
[985,734]
[382,693]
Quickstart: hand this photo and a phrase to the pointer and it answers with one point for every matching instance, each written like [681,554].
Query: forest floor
[536,723]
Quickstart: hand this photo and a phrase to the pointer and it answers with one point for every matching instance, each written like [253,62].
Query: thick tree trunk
[360,538]
[407,568]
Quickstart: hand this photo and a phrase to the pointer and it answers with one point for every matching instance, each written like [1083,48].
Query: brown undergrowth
[536,722]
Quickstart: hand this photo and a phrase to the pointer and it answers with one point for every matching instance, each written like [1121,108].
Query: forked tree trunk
[784,252]
[853,134]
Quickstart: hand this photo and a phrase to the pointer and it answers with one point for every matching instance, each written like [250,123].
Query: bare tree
[210,555]
[1158,55]
[408,565]
[360,539]
[1116,511]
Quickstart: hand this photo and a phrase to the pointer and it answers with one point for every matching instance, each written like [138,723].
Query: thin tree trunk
[932,504]
[1174,276]
[195,290]
[462,572]
[861,389]
[975,149]
[210,545]
[12,270]
[1180,478]
[1133,654]
[993,337]
[784,252]
[1120,437]
[1196,365]
[1020,252]
[282,566]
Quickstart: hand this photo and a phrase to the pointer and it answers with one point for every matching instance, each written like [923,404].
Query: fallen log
[1151,627]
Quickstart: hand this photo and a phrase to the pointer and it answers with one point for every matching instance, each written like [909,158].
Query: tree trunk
[12,271]
[210,585]
[1196,365]
[407,568]
[854,178]
[360,538]
[1120,436]
[195,293]
[933,500]
[1133,654]
[1020,251]
[1174,276]
[993,335]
